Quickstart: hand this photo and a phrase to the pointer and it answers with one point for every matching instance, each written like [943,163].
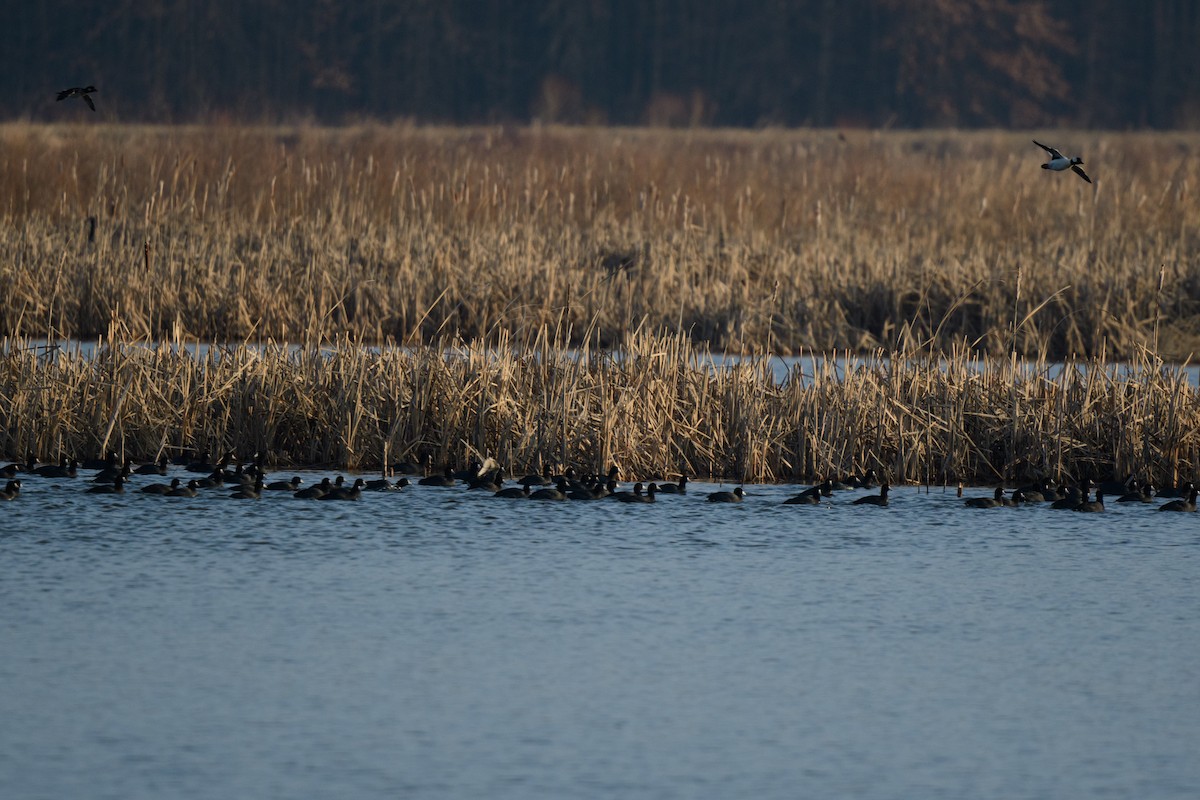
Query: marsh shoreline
[657,406]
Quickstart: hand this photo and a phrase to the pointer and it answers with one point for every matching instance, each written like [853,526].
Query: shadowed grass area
[656,406]
[764,241]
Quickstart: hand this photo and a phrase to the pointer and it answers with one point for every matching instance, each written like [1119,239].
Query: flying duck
[1058,162]
[78,91]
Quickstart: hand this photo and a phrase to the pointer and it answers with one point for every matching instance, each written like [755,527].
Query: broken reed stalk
[755,241]
[657,406]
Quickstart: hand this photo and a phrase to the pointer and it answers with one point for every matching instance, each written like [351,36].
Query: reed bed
[657,406]
[765,241]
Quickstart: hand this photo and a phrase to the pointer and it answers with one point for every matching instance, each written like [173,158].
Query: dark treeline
[1087,63]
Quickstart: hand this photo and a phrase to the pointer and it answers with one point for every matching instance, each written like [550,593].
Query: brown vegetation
[558,292]
[746,241]
[655,406]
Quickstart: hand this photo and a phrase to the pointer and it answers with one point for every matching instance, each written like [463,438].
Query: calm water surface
[783,368]
[436,643]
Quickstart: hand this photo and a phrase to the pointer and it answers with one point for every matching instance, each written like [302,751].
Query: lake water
[438,643]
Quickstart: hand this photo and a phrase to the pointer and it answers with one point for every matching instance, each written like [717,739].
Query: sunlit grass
[747,241]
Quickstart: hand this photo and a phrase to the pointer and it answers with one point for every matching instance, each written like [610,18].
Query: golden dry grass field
[746,241]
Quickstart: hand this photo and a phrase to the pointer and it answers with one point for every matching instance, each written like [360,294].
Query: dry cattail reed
[655,406]
[747,241]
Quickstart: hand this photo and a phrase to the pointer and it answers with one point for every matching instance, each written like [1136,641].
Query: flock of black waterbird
[249,481]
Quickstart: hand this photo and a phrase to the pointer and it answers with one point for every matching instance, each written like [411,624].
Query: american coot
[569,475]
[475,468]
[727,497]
[868,480]
[314,492]
[594,492]
[638,497]
[675,488]
[161,488]
[610,477]
[344,493]
[1181,505]
[237,476]
[1017,499]
[1092,506]
[107,462]
[202,464]
[420,466]
[108,473]
[1140,494]
[116,487]
[824,488]
[11,490]
[1074,496]
[157,468]
[559,492]
[1182,490]
[622,494]
[810,496]
[514,493]
[251,492]
[1035,492]
[11,470]
[880,499]
[446,479]
[184,491]
[385,485]
[995,501]
[1070,500]
[215,478]
[1051,494]
[536,479]
[63,469]
[285,486]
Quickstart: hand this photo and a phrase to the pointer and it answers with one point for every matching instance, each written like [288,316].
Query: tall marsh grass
[767,241]
[657,405]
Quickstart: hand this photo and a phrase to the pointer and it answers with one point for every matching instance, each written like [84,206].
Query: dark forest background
[905,63]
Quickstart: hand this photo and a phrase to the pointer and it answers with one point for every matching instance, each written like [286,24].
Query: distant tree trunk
[825,55]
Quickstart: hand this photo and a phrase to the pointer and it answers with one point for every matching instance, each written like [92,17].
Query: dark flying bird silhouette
[77,91]
[1058,162]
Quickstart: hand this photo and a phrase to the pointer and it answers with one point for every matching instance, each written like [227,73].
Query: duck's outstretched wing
[92,106]
[1076,169]
[1053,153]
